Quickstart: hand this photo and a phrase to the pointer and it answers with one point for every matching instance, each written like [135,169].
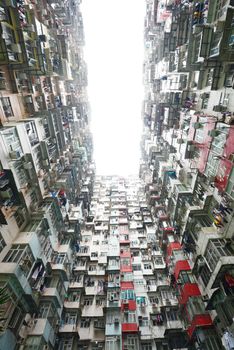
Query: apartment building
[120,295]
[138,263]
[46,169]
[187,159]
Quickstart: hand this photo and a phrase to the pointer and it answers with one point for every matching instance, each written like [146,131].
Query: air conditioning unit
[219,108]
[32,62]
[205,298]
[116,321]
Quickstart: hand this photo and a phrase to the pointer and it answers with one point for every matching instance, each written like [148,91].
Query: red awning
[173,246]
[199,321]
[127,285]
[181,265]
[129,327]
[189,290]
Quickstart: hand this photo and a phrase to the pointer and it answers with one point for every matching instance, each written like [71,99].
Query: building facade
[46,166]
[187,165]
[104,262]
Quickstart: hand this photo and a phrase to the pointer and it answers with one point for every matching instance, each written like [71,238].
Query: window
[100,301]
[128,294]
[44,310]
[92,267]
[33,343]
[59,258]
[167,294]
[70,318]
[143,321]
[113,296]
[139,282]
[6,105]
[205,275]
[77,279]
[131,343]
[147,266]
[111,344]
[186,277]
[212,165]
[81,262]
[136,267]
[66,344]
[125,262]
[85,323]
[65,241]
[158,260]
[129,317]
[32,133]
[73,296]
[94,254]
[195,306]
[16,318]
[2,243]
[171,315]
[19,218]
[215,250]
[83,249]
[146,346]
[113,262]
[88,301]
[154,300]
[20,254]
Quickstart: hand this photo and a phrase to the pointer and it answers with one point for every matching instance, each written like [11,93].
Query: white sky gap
[114,53]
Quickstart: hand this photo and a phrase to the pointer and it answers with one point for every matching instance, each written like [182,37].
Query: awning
[173,246]
[181,265]
[189,290]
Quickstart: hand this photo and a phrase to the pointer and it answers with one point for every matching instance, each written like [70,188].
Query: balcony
[64,268]
[83,251]
[113,298]
[42,327]
[199,321]
[53,293]
[130,328]
[113,325]
[172,325]
[71,304]
[80,265]
[68,328]
[93,309]
[76,282]
[113,280]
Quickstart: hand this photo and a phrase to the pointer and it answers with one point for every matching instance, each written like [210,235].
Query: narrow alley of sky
[114,55]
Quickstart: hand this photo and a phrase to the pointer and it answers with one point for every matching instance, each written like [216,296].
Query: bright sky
[114,52]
